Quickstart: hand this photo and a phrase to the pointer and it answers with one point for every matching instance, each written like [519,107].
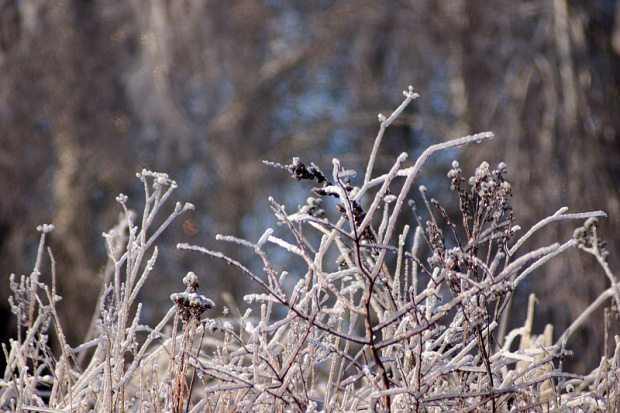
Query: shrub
[402,320]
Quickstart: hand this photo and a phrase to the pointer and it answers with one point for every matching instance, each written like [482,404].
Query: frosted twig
[417,167]
[546,257]
[409,96]
[604,296]
[521,261]
[558,216]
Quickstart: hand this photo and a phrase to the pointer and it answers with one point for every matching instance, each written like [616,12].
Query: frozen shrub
[403,320]
[98,375]
[384,328]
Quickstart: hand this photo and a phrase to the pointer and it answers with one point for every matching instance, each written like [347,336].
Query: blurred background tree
[91,92]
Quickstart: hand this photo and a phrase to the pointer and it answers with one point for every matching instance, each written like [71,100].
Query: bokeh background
[93,91]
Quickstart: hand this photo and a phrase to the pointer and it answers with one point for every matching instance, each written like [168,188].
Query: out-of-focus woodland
[93,91]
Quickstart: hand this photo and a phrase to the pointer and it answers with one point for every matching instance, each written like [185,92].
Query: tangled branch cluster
[403,320]
[384,329]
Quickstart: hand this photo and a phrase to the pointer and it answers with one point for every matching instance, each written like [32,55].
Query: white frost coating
[193,300]
[249,328]
[250,298]
[347,173]
[264,238]
[283,276]
[514,356]
[299,287]
[190,278]
[333,189]
[409,95]
[45,228]
[200,300]
[230,238]
[333,277]
[289,247]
